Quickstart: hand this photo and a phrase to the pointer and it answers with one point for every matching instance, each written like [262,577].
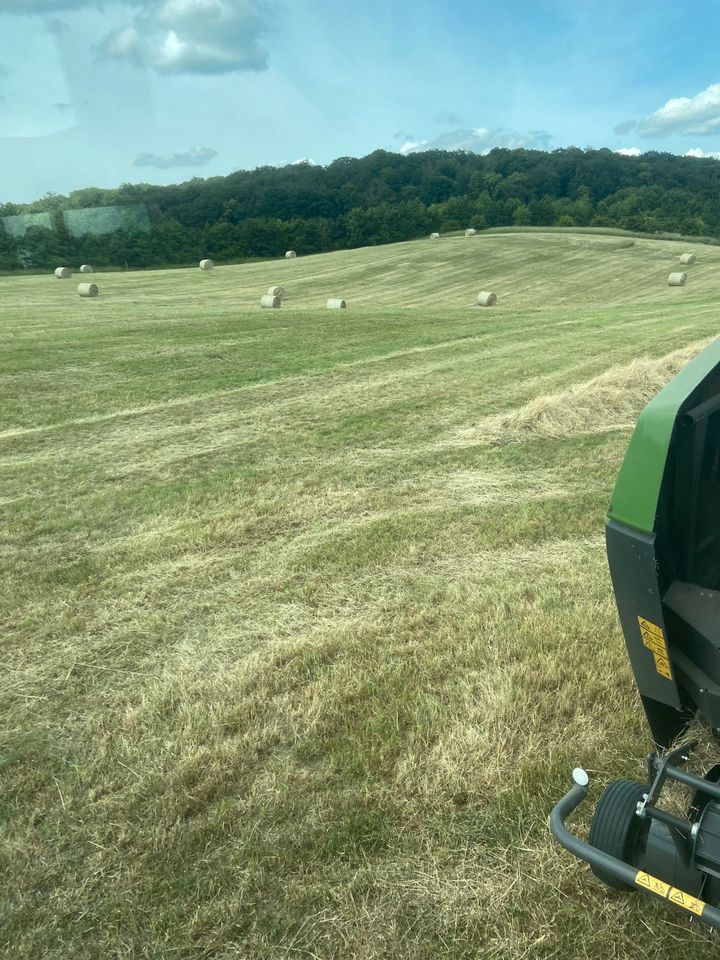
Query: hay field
[305,613]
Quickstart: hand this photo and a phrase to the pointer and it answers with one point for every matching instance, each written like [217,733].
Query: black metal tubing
[583,851]
[596,858]
[683,827]
[690,780]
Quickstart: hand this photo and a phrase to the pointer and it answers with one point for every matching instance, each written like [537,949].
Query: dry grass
[299,651]
[611,401]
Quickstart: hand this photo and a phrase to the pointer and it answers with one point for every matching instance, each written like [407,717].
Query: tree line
[380,198]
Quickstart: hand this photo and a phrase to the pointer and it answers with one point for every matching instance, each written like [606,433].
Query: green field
[305,613]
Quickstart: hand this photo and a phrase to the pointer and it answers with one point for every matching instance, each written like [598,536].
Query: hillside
[533,271]
[306,615]
[353,202]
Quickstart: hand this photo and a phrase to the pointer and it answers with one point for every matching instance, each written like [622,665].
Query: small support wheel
[616,829]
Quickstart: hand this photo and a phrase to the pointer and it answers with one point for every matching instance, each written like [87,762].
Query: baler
[663,548]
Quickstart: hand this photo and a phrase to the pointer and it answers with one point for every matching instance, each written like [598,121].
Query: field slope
[305,614]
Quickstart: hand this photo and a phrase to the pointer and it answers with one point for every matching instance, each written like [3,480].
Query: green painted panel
[635,498]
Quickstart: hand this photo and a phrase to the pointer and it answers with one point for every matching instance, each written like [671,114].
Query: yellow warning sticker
[646,625]
[653,638]
[662,665]
[687,902]
[664,890]
[652,884]
[652,642]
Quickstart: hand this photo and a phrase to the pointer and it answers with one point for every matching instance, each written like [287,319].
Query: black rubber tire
[615,828]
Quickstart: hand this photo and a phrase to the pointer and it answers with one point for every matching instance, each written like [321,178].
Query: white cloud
[194,157]
[412,146]
[626,126]
[193,36]
[177,36]
[629,151]
[481,140]
[686,116]
[697,152]
[29,7]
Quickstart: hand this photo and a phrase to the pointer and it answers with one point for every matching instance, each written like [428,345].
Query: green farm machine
[663,547]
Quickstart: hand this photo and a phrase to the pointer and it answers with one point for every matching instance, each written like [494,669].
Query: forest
[354,202]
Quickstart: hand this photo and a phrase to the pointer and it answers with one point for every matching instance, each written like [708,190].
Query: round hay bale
[470,232]
[207,265]
[269,301]
[677,279]
[434,236]
[86,268]
[336,304]
[486,299]
[687,258]
[63,273]
[88,290]
[276,292]
[289,254]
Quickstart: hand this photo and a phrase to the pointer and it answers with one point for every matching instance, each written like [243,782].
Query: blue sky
[99,93]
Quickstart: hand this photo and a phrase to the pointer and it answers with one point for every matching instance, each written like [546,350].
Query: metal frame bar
[617,868]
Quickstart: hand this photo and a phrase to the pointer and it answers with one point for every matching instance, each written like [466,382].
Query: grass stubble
[306,619]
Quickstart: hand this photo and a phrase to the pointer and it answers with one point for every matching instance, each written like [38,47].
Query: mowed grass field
[305,613]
